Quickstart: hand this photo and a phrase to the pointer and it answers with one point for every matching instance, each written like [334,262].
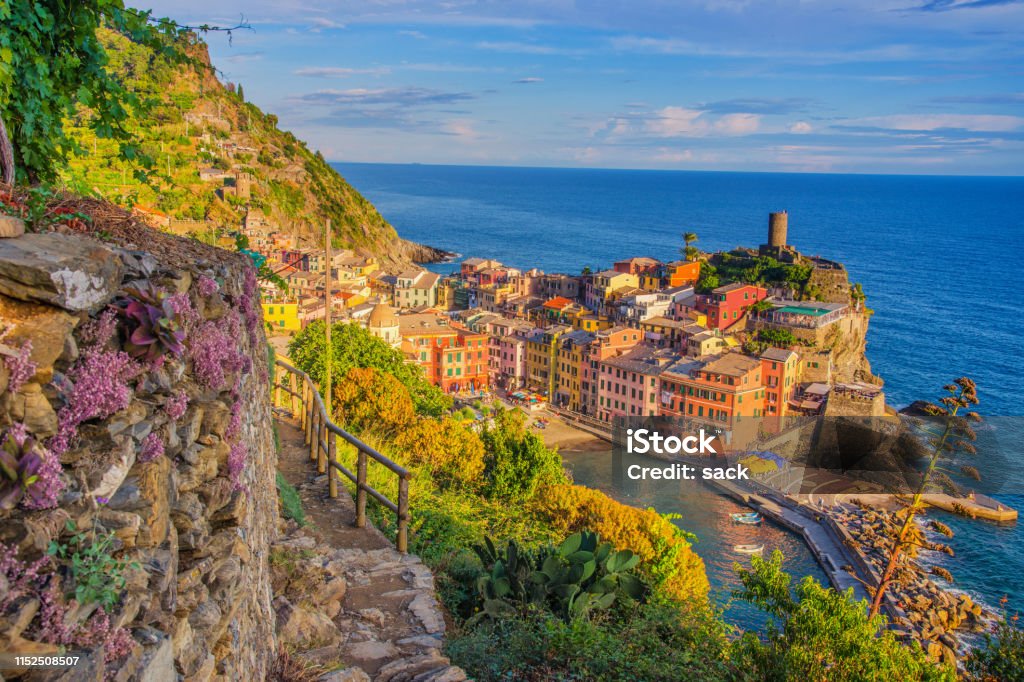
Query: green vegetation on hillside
[192,121]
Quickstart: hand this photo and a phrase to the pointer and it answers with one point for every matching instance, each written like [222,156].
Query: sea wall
[134,383]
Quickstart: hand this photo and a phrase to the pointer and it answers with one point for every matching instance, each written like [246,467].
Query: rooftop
[778,354]
[731,364]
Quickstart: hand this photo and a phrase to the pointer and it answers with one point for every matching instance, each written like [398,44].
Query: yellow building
[592,323]
[282,316]
[573,352]
[541,351]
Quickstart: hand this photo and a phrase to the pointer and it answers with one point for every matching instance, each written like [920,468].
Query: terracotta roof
[557,303]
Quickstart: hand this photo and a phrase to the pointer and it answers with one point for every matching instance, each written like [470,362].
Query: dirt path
[390,619]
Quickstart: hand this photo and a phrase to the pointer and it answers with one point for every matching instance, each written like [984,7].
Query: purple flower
[99,331]
[152,448]
[237,456]
[100,388]
[20,367]
[207,287]
[176,405]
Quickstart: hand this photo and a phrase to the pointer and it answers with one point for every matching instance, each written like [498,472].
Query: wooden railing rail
[322,435]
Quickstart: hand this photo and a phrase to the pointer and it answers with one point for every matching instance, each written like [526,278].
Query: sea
[937,256]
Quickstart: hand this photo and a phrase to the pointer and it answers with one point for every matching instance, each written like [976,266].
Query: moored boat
[748,549]
[749,518]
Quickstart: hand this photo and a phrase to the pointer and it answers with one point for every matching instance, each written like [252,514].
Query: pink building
[506,357]
[628,384]
[511,358]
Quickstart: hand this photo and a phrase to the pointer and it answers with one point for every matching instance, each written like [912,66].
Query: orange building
[779,369]
[453,358]
[717,390]
[682,273]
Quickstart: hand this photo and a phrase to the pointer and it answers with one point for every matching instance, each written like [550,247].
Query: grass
[291,503]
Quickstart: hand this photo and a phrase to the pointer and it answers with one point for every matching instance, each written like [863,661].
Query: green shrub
[291,503]
[98,576]
[517,461]
[653,643]
[580,577]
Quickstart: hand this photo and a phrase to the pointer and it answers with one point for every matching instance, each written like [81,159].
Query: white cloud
[528,80]
[987,123]
[683,122]
[738,124]
[339,71]
[677,122]
[461,128]
[801,128]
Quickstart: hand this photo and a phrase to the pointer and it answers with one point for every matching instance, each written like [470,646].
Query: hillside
[195,123]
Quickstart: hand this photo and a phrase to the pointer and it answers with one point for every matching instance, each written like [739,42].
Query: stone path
[391,625]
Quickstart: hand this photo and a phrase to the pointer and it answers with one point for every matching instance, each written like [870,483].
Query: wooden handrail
[321,434]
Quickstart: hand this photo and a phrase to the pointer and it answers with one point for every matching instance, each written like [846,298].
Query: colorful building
[727,305]
[541,350]
[780,370]
[629,384]
[682,273]
[282,317]
[453,358]
[415,288]
[573,355]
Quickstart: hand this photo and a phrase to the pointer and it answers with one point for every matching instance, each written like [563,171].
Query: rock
[405,669]
[109,469]
[452,673]
[158,662]
[205,671]
[69,271]
[425,608]
[11,227]
[124,524]
[47,327]
[30,407]
[346,675]
[156,490]
[370,650]
[375,616]
[302,627]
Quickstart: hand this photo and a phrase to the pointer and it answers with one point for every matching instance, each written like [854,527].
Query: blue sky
[866,86]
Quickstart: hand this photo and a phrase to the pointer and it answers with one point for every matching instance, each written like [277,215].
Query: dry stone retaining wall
[174,456]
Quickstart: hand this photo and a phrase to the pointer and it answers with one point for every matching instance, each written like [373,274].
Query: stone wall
[168,446]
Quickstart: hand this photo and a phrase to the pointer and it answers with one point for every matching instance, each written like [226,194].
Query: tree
[1001,659]
[241,93]
[950,433]
[354,346]
[818,633]
[689,252]
[517,461]
[452,453]
[369,401]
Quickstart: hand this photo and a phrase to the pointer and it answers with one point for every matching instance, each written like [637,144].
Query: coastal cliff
[135,386]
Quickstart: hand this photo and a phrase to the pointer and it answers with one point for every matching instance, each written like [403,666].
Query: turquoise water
[936,256]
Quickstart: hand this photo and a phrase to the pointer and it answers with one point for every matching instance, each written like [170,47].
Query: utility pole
[328,396]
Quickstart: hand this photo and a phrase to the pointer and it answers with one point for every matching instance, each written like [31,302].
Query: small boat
[749,518]
[748,549]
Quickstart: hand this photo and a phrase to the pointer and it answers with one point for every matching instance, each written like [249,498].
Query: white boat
[748,549]
[749,518]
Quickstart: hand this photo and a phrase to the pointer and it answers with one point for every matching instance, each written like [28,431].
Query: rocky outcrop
[155,470]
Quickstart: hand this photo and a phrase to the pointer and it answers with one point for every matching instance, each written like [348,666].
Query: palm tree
[689,252]
[950,433]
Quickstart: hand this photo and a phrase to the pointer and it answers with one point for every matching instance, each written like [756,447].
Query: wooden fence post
[332,456]
[403,514]
[360,488]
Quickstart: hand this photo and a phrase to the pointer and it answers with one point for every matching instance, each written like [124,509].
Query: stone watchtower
[778,229]
[778,224]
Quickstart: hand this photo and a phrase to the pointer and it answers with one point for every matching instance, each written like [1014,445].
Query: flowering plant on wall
[20,462]
[152,324]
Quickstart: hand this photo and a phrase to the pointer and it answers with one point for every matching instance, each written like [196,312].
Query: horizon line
[678,170]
